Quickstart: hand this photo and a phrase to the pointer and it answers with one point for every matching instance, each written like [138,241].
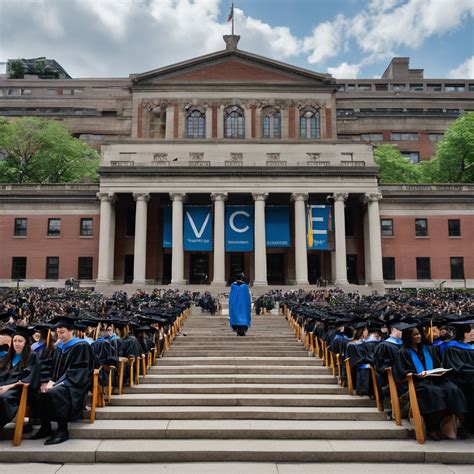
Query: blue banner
[198,228]
[277,226]
[167,229]
[319,224]
[239,228]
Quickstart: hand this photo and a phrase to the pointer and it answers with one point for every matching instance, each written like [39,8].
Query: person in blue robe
[240,305]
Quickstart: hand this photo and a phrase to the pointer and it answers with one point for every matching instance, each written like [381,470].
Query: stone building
[234,162]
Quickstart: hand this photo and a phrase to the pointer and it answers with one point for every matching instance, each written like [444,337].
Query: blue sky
[347,38]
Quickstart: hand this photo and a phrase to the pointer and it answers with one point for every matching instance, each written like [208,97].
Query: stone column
[340,234]
[375,238]
[301,255]
[260,244]
[106,238]
[219,238]
[177,257]
[248,121]
[139,259]
[220,121]
[169,127]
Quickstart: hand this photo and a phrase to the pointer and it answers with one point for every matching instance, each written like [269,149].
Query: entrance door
[199,272]
[275,269]
[352,269]
[314,268]
[237,265]
[128,269]
[166,279]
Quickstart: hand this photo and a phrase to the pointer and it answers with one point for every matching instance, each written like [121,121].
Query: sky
[346,38]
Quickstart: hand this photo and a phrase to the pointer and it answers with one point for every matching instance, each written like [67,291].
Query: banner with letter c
[319,224]
[198,228]
[239,228]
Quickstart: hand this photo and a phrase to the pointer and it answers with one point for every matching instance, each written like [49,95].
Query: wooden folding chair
[131,363]
[417,418]
[338,369]
[316,347]
[350,385]
[143,358]
[95,395]
[21,414]
[121,369]
[394,400]
[376,389]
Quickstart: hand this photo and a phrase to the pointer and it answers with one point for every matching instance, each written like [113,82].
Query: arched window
[196,124]
[271,123]
[234,123]
[309,123]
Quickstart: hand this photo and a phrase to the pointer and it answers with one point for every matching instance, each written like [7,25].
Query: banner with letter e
[319,224]
[198,228]
[239,228]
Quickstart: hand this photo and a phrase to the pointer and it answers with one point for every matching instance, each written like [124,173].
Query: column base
[139,282]
[260,283]
[218,283]
[302,282]
[341,283]
[103,282]
[178,282]
[378,286]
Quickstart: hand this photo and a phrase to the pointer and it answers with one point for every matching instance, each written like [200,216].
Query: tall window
[271,123]
[54,227]
[386,226]
[18,268]
[234,123]
[454,228]
[196,124]
[86,226]
[388,268]
[423,268]
[85,268]
[52,268]
[457,268]
[421,227]
[21,227]
[309,123]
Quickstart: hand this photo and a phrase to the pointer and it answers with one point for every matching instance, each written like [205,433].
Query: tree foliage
[394,167]
[34,150]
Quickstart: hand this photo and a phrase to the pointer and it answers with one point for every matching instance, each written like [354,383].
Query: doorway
[237,266]
[275,269]
[166,279]
[199,272]
[314,268]
[352,269]
[128,269]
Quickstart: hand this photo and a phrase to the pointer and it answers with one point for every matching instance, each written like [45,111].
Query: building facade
[196,152]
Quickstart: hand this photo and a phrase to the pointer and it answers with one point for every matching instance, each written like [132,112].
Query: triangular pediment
[232,66]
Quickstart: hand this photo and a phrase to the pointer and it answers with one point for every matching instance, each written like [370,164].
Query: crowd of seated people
[407,334]
[53,340]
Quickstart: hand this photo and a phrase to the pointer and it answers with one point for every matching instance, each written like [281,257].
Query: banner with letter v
[198,228]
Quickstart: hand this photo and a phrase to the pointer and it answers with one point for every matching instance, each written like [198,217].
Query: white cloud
[464,70]
[345,71]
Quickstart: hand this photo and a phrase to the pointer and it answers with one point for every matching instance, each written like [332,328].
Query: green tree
[34,150]
[394,167]
[16,69]
[454,159]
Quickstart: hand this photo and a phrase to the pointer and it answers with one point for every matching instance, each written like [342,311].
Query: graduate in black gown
[459,356]
[65,382]
[357,354]
[6,335]
[439,398]
[20,366]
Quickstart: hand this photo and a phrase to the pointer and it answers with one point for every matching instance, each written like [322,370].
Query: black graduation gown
[71,369]
[130,347]
[461,360]
[434,394]
[358,359]
[384,357]
[9,401]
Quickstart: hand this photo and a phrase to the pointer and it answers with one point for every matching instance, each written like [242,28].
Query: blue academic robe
[240,305]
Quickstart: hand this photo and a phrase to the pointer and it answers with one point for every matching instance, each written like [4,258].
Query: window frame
[458,234]
[50,267]
[456,274]
[423,273]
[82,230]
[385,272]
[19,231]
[234,123]
[417,231]
[50,233]
[310,121]
[85,271]
[196,123]
[16,260]
[382,227]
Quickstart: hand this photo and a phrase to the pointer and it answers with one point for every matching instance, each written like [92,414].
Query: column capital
[219,196]
[299,196]
[371,197]
[260,196]
[141,197]
[178,196]
[340,196]
[106,197]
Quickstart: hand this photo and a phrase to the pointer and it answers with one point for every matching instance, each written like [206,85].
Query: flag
[330,220]
[310,228]
[231,13]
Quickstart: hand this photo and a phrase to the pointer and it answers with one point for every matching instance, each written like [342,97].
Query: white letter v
[197,233]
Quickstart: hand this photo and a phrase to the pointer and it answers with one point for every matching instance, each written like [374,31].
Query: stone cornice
[428,193]
[65,193]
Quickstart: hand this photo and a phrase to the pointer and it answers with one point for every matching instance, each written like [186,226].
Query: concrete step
[178,352]
[237,369]
[238,412]
[241,360]
[245,450]
[237,378]
[236,429]
[234,388]
[310,400]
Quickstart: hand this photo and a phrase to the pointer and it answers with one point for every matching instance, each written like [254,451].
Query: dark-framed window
[388,268]
[21,227]
[85,266]
[234,122]
[413,156]
[310,124]
[86,226]
[196,124]
[52,268]
[454,228]
[421,227]
[18,268]
[386,227]
[423,268]
[457,268]
[130,228]
[54,227]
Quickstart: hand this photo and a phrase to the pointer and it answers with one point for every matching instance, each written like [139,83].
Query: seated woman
[439,398]
[357,353]
[459,356]
[6,335]
[19,366]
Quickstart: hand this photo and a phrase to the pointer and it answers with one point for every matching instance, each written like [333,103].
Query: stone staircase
[218,397]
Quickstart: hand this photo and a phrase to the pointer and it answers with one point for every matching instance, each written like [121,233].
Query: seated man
[65,382]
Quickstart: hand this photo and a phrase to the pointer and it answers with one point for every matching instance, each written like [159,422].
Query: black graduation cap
[43,327]
[8,331]
[359,324]
[64,322]
[463,322]
[5,316]
[23,331]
